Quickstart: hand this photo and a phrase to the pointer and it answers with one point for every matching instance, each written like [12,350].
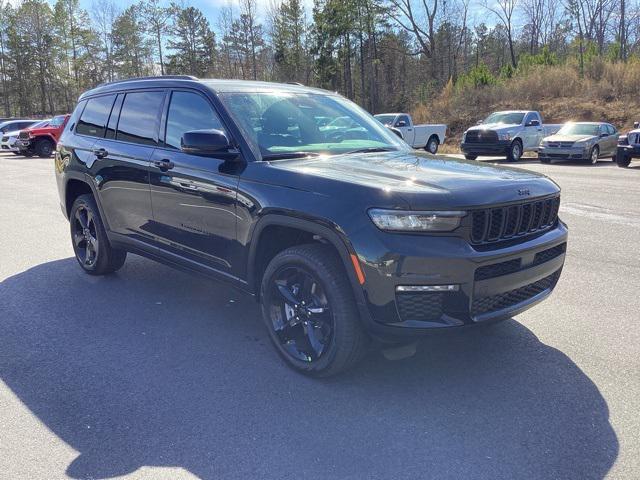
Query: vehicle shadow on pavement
[154,367]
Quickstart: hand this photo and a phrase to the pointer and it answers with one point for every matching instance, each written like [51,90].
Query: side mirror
[604,134]
[401,123]
[636,124]
[205,142]
[479,122]
[533,123]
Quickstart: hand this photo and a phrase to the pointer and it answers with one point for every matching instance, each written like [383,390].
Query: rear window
[139,117]
[93,120]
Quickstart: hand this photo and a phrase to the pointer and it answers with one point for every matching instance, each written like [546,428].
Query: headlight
[581,144]
[504,136]
[405,221]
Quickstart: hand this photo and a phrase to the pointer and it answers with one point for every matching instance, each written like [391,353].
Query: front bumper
[632,151]
[491,285]
[573,153]
[494,148]
[23,144]
[9,144]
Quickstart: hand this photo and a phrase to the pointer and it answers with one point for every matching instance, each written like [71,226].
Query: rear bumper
[486,285]
[494,148]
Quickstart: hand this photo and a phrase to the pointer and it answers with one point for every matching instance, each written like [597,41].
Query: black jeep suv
[342,232]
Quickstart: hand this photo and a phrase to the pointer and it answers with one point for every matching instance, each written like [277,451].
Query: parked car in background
[41,141]
[340,239]
[9,131]
[427,136]
[510,133]
[628,147]
[586,141]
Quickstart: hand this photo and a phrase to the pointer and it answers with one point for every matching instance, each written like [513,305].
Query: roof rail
[296,83]
[153,77]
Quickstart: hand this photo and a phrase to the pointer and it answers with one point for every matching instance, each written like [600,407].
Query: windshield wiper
[284,155]
[371,149]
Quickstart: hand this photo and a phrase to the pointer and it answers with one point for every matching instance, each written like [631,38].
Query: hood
[494,126]
[421,180]
[13,133]
[569,138]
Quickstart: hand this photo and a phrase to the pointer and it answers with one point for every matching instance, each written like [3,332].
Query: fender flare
[86,179]
[329,232]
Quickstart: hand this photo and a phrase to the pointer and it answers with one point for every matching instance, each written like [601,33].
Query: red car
[42,140]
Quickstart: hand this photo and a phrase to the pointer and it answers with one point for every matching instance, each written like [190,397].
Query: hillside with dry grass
[606,91]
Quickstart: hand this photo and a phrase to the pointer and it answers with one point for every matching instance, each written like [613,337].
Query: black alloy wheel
[300,313]
[90,243]
[309,309]
[85,237]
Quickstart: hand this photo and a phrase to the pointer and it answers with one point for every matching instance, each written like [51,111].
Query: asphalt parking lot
[154,373]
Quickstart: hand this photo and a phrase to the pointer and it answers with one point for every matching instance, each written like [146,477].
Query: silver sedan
[587,141]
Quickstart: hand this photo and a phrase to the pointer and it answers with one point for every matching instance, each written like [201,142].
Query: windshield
[289,124]
[57,121]
[385,119]
[513,118]
[580,129]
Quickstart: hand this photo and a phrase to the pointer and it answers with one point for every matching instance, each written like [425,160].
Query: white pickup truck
[424,136]
[509,133]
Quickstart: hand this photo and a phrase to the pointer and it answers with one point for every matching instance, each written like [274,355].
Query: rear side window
[189,111]
[93,120]
[139,117]
[113,119]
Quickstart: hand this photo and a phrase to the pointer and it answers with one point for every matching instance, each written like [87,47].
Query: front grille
[515,265]
[508,299]
[481,136]
[23,135]
[419,305]
[560,144]
[504,223]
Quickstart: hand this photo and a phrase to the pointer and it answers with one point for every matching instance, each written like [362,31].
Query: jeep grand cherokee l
[344,236]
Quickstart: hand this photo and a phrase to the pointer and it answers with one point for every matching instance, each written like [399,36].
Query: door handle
[164,164]
[100,152]
[409,129]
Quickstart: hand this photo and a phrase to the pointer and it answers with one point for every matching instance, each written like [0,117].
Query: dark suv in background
[345,235]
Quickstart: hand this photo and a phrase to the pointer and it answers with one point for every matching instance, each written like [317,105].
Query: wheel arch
[77,184]
[298,231]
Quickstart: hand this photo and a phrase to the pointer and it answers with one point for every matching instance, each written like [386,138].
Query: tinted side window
[94,117]
[189,111]
[611,129]
[113,118]
[139,117]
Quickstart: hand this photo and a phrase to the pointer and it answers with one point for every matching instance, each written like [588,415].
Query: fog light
[427,288]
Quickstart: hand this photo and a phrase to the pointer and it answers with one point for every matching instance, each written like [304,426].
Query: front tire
[432,145]
[623,160]
[309,311]
[594,155]
[93,250]
[43,147]
[471,157]
[515,151]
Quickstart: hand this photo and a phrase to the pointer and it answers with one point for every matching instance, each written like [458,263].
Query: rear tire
[320,334]
[471,157]
[515,151]
[93,250]
[432,145]
[43,147]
